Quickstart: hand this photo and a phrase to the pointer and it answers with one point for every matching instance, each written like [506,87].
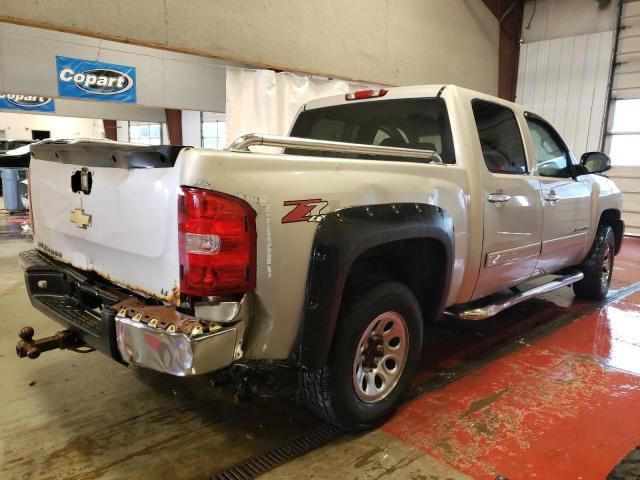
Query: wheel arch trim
[612,217]
[341,238]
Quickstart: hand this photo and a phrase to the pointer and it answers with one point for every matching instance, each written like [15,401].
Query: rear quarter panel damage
[270,181]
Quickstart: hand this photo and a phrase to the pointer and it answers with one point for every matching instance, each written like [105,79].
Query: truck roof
[415,91]
[392,92]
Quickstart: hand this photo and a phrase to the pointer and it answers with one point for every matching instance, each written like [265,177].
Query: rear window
[409,123]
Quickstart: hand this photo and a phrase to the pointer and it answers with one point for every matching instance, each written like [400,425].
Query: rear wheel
[597,267]
[376,348]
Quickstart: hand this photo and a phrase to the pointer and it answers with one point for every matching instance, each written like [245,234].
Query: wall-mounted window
[145,133]
[624,146]
[214,130]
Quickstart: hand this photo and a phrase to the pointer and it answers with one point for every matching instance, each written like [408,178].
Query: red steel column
[509,13]
[110,129]
[174,125]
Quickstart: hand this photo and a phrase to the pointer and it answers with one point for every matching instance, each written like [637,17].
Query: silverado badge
[79,218]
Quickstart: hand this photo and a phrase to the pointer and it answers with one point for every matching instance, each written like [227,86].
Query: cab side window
[552,158]
[500,138]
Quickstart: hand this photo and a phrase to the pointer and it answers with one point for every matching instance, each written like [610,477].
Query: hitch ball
[28,347]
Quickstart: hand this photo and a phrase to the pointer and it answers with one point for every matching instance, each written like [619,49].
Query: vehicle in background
[388,209]
[13,170]
[6,145]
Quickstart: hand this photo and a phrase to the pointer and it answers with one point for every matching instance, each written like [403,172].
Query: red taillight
[362,94]
[217,235]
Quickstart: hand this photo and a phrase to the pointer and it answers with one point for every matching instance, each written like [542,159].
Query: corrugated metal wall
[628,180]
[565,80]
[626,86]
[626,82]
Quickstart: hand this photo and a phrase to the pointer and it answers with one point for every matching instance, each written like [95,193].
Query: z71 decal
[305,210]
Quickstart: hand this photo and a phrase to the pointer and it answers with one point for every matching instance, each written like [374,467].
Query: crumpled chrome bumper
[177,353]
[151,345]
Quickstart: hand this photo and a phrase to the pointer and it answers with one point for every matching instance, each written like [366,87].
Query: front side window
[500,138]
[418,123]
[552,159]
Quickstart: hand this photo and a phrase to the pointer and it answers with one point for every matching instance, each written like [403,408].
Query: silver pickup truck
[386,209]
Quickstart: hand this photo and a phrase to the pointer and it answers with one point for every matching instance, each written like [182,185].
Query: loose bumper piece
[166,340]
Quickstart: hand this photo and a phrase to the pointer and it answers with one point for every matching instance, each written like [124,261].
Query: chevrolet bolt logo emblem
[79,218]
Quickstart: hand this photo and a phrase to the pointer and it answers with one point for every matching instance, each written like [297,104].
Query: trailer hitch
[64,340]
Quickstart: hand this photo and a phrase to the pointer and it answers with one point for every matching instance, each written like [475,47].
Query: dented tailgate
[110,208]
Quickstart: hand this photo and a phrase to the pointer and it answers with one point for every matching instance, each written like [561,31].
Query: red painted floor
[565,407]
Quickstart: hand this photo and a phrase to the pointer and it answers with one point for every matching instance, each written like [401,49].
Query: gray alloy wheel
[380,357]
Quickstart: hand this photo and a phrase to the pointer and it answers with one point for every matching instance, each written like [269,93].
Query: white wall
[104,110]
[191,129]
[396,42]
[164,79]
[19,125]
[122,130]
[566,18]
[107,110]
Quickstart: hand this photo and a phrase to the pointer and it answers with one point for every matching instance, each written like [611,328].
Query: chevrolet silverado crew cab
[386,209]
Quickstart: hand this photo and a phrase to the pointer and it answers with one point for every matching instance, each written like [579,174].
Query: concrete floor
[554,396]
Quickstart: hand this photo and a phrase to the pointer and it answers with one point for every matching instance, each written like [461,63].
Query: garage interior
[547,389]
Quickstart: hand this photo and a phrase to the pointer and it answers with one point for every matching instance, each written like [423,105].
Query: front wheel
[597,267]
[376,349]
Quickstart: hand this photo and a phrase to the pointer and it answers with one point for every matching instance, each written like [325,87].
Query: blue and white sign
[95,80]
[27,103]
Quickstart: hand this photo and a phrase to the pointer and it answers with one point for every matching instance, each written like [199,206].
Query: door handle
[551,196]
[499,197]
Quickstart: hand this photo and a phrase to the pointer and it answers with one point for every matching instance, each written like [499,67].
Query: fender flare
[341,237]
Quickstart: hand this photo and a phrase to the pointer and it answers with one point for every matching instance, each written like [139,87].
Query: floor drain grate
[261,464]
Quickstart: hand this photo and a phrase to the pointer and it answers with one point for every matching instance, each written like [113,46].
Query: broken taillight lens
[217,235]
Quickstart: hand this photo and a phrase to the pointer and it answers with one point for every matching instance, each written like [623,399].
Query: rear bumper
[122,326]
[176,353]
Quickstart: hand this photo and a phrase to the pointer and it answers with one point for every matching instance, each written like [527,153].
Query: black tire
[597,267]
[628,468]
[330,392]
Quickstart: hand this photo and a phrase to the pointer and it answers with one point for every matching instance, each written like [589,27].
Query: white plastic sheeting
[565,80]
[263,101]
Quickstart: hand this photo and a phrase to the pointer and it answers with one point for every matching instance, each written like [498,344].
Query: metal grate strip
[297,447]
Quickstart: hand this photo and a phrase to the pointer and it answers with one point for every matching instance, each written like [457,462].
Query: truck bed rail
[243,143]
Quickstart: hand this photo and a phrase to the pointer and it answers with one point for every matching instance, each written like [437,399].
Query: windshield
[420,123]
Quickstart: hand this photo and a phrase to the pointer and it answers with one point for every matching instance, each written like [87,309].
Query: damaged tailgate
[110,208]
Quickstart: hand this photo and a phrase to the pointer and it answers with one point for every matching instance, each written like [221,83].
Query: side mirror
[595,162]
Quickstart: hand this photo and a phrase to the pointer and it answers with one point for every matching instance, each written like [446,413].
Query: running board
[491,309]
